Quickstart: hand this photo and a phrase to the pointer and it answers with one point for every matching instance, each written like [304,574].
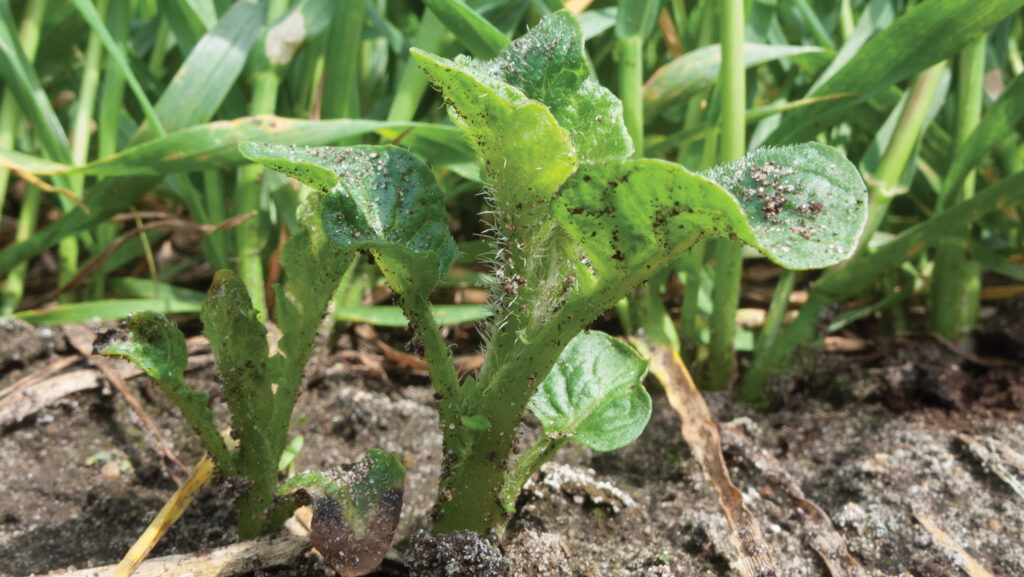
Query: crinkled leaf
[238,340]
[379,199]
[150,341]
[550,65]
[594,394]
[355,510]
[802,206]
[525,155]
[532,110]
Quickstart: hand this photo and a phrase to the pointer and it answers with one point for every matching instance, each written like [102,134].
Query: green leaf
[998,123]
[238,340]
[355,510]
[802,206]
[674,83]
[472,30]
[392,316]
[532,111]
[929,32]
[594,393]
[378,199]
[824,203]
[158,348]
[475,422]
[525,154]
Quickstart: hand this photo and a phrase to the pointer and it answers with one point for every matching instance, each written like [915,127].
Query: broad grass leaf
[692,73]
[929,32]
[594,393]
[471,30]
[211,69]
[105,310]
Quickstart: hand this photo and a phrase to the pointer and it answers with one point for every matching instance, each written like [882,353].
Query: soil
[873,438]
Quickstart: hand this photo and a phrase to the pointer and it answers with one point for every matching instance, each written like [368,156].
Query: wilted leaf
[158,348]
[355,510]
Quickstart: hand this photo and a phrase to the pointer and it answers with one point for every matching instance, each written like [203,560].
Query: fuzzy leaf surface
[238,340]
[533,110]
[594,394]
[378,199]
[157,347]
[355,510]
[632,216]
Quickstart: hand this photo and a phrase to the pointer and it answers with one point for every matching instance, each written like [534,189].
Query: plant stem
[776,310]
[631,82]
[955,277]
[689,317]
[248,195]
[80,136]
[885,183]
[528,464]
[159,53]
[439,360]
[341,77]
[111,100]
[728,258]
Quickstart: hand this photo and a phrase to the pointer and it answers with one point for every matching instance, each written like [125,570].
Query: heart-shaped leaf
[594,394]
[378,199]
[355,510]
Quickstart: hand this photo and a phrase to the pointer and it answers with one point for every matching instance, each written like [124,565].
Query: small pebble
[110,470]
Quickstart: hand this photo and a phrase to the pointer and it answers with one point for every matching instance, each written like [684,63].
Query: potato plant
[576,224]
[260,388]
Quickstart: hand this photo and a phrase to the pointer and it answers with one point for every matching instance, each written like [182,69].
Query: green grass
[137,105]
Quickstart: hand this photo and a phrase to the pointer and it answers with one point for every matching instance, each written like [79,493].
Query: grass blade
[215,145]
[996,125]
[472,30]
[696,71]
[931,31]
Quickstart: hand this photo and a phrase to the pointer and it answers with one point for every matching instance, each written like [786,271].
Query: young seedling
[260,390]
[577,225]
